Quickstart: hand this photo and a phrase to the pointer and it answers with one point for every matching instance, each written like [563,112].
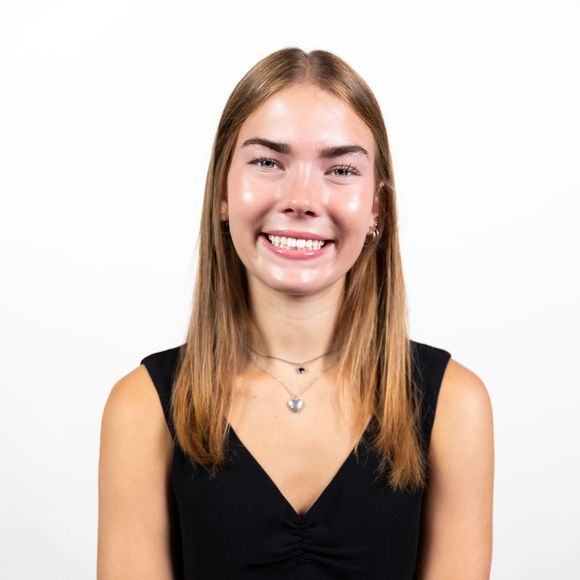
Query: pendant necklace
[295,404]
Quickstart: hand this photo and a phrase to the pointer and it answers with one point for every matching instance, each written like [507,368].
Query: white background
[107,115]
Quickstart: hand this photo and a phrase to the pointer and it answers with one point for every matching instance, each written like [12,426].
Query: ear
[376,205]
[224,211]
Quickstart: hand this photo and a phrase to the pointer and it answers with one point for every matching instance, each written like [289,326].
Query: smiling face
[302,168]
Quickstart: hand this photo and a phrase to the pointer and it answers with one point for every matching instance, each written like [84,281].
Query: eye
[344,170]
[264,162]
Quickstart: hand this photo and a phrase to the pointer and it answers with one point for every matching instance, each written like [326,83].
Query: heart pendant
[295,404]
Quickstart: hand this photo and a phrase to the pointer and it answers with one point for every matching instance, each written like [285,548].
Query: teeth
[295,243]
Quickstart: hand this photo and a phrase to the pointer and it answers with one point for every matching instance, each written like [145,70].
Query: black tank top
[238,525]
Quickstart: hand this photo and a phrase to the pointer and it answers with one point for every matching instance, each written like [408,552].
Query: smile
[295,243]
[296,248]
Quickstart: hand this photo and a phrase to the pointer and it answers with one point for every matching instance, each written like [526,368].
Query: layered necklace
[295,403]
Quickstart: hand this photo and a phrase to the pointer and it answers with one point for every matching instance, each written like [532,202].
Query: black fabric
[239,525]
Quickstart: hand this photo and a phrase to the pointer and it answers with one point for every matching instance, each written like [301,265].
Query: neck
[294,327]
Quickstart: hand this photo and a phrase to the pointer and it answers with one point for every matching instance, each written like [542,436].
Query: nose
[302,193]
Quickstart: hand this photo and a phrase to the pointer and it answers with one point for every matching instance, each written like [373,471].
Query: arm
[135,458]
[457,525]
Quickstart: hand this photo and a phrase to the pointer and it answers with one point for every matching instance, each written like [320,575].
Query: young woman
[298,433]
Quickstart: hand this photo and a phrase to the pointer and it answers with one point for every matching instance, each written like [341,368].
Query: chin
[300,287]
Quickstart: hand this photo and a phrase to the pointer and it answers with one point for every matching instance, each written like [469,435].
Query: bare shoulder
[134,464]
[459,494]
[463,398]
[133,415]
[462,437]
[133,398]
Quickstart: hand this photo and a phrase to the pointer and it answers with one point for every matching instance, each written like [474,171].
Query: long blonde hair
[371,328]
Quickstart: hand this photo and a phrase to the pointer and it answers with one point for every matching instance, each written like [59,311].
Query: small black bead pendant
[301,370]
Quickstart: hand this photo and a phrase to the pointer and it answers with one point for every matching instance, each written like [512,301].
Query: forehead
[309,117]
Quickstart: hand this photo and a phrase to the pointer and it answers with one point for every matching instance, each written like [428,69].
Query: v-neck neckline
[278,491]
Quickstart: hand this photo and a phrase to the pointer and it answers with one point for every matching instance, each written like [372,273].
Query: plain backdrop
[107,115]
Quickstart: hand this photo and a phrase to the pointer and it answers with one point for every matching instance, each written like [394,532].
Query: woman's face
[302,171]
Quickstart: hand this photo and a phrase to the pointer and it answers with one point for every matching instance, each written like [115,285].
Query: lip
[296,254]
[297,235]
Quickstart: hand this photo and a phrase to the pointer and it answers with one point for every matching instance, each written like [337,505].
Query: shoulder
[132,397]
[135,458]
[464,403]
[458,389]
[457,403]
[459,498]
[133,409]
[461,452]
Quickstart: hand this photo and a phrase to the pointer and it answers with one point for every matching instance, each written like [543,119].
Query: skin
[295,304]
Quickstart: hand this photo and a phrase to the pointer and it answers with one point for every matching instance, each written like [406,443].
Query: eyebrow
[327,153]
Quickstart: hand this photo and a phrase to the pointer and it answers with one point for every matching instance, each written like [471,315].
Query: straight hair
[370,334]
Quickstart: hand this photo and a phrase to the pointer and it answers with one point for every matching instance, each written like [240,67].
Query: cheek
[353,208]
[246,197]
